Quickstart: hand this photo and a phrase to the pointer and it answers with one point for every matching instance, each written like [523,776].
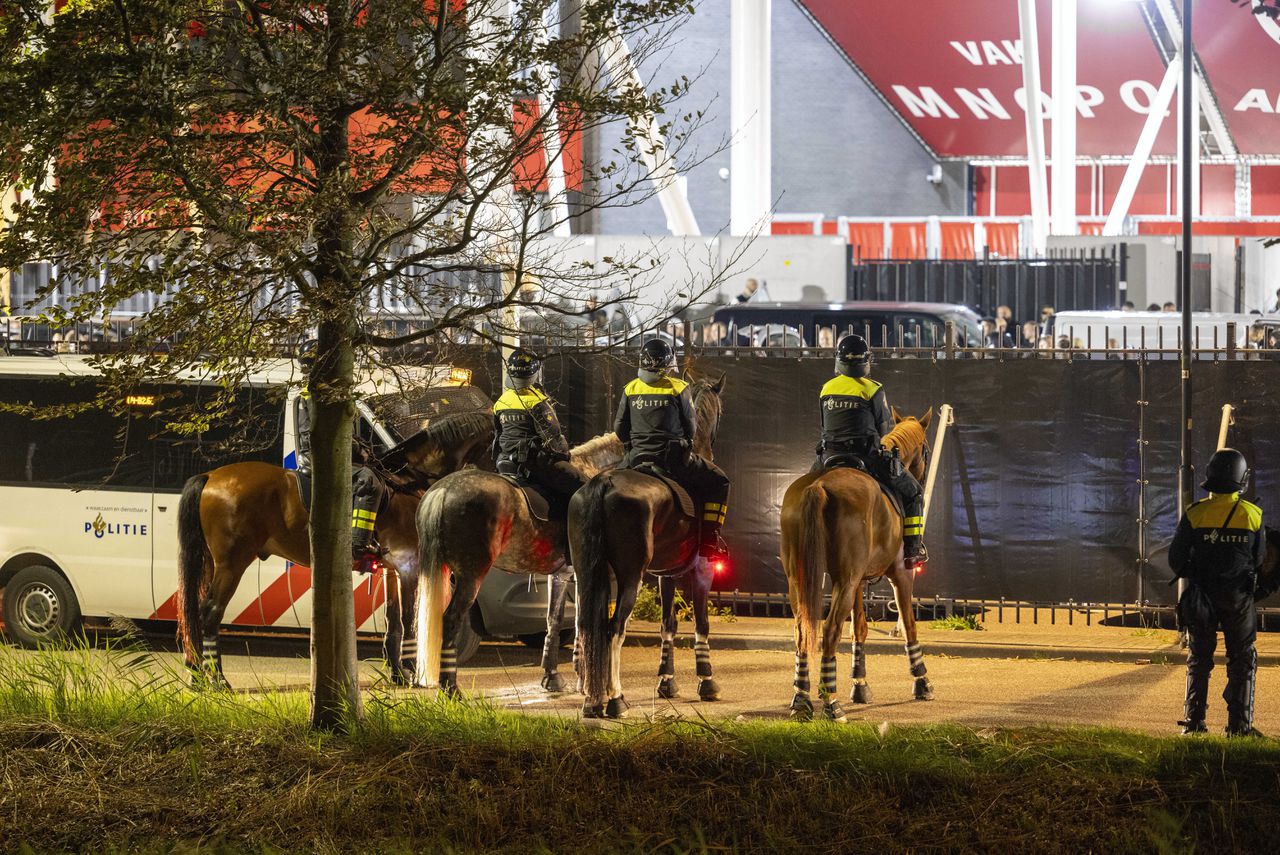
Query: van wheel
[39,607]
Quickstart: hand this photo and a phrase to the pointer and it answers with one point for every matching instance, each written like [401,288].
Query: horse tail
[431,588]
[591,566]
[191,558]
[811,566]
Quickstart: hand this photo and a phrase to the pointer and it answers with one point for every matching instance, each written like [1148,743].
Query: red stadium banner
[1240,52]
[953,71]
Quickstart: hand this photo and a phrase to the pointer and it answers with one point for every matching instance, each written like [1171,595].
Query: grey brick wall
[837,149]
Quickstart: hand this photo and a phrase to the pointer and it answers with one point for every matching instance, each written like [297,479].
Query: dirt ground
[756,684]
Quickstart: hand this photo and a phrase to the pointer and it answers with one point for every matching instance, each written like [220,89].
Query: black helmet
[307,351]
[656,356]
[853,356]
[1227,472]
[522,364]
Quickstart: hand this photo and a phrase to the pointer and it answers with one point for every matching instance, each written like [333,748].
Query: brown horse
[471,521]
[838,523]
[244,511]
[621,524]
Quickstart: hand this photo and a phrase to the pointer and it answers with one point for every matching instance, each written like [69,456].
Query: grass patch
[958,623]
[110,752]
[649,607]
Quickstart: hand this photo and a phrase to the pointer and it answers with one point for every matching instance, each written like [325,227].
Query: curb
[1167,655]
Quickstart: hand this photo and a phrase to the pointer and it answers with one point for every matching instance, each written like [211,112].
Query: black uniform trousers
[1204,609]
[880,467]
[705,481]
[366,498]
[552,472]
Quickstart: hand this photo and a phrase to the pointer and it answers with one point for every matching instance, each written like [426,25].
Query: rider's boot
[709,543]
[914,554]
[364,549]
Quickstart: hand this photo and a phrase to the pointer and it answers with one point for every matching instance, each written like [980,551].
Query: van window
[869,326]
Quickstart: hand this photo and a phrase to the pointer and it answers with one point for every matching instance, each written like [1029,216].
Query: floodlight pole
[1186,491]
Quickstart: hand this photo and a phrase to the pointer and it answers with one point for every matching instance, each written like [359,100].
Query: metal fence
[928,608]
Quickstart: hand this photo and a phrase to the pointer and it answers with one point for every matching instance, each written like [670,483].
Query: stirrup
[918,560]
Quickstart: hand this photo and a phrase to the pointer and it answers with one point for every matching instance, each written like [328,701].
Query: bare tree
[284,169]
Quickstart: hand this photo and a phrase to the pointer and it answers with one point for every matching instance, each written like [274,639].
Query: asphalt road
[756,684]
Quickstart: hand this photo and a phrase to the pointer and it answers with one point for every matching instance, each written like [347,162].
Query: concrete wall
[837,149]
[665,274]
[1153,268]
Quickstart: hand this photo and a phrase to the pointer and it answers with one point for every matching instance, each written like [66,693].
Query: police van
[88,502]
[1161,331]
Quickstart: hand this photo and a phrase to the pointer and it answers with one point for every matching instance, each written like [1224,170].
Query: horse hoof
[667,688]
[617,708]
[401,677]
[552,683]
[861,693]
[592,709]
[832,711]
[801,708]
[708,689]
[450,691]
[924,689]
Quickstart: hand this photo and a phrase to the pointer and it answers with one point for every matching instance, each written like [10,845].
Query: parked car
[512,605]
[884,324]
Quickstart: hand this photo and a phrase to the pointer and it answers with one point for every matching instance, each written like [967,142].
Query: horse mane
[442,435]
[597,454]
[706,413]
[908,436]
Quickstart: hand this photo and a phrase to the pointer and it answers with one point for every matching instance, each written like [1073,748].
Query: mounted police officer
[655,423]
[527,440]
[367,491]
[1218,548]
[855,415]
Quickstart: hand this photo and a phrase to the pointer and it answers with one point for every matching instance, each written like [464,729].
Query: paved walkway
[1095,642]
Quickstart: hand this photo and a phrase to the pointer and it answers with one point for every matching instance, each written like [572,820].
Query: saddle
[537,500]
[679,494]
[853,461]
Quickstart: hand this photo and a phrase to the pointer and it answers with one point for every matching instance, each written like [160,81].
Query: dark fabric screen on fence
[1038,494]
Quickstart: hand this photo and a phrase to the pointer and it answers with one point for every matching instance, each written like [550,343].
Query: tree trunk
[335,689]
[335,692]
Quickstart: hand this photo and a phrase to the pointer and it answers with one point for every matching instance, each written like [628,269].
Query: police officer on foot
[655,424]
[1218,549]
[527,439]
[366,487]
[855,416]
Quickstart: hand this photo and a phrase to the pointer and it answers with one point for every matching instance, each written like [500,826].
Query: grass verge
[110,752]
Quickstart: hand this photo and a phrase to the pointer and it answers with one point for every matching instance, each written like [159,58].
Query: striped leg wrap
[828,676]
[859,663]
[448,666]
[409,649]
[913,527]
[916,655]
[667,667]
[209,649]
[802,673]
[702,656]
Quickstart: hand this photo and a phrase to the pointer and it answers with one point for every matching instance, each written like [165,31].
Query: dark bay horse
[621,524]
[471,521]
[235,514]
[838,523]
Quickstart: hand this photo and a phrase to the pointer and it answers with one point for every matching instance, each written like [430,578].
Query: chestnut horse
[244,511]
[838,523]
[621,524]
[471,521]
